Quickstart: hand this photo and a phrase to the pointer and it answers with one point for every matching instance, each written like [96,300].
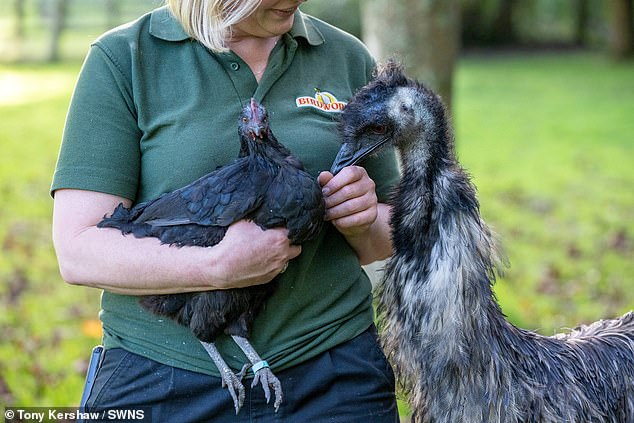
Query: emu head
[392,110]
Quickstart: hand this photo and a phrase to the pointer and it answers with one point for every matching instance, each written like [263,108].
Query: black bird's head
[256,136]
[254,122]
[391,110]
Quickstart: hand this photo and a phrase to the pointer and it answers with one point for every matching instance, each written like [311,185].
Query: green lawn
[548,140]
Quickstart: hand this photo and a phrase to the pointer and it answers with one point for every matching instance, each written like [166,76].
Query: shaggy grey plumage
[442,327]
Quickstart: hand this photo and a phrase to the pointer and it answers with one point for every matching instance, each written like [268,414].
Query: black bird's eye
[245,119]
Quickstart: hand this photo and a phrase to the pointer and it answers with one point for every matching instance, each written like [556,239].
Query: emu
[441,325]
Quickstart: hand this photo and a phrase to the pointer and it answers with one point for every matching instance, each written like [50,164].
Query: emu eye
[377,129]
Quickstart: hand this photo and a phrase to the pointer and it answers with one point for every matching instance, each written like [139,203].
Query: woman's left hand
[351,201]
[353,208]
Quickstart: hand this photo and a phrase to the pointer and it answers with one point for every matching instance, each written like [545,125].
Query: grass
[43,350]
[546,138]
[548,141]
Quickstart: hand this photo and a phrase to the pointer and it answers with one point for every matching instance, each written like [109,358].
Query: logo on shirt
[322,100]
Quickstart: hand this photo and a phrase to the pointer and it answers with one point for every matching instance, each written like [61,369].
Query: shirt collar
[304,27]
[164,25]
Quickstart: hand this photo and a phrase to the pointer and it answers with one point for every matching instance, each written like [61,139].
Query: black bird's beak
[351,154]
[256,132]
[256,127]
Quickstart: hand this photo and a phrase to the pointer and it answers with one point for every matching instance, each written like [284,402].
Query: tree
[582,16]
[58,22]
[621,43]
[503,30]
[424,34]
[113,13]
[18,10]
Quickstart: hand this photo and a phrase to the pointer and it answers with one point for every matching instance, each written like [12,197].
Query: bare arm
[104,258]
[352,206]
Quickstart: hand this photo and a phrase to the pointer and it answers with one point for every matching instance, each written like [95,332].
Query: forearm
[376,242]
[104,258]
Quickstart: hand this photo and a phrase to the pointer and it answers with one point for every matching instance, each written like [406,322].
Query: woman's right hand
[251,255]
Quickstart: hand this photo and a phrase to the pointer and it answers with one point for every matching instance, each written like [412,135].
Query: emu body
[442,327]
[265,184]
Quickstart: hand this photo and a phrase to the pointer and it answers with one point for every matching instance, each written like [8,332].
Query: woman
[156,107]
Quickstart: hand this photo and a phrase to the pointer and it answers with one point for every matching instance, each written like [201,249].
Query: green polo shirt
[153,111]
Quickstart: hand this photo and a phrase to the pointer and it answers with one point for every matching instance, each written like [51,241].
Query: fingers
[347,176]
[277,240]
[350,198]
[358,203]
[324,177]
[253,255]
[273,244]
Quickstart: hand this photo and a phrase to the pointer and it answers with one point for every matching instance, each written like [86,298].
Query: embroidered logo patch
[322,100]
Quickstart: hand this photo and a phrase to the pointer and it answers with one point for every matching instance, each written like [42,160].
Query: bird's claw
[242,373]
[233,382]
[268,380]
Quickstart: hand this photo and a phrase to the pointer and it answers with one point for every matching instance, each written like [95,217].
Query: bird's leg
[263,374]
[230,380]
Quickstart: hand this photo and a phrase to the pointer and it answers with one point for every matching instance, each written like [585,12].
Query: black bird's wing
[219,198]
[293,200]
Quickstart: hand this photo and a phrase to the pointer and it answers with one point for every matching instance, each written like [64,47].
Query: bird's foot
[242,373]
[230,380]
[261,370]
[233,383]
[265,376]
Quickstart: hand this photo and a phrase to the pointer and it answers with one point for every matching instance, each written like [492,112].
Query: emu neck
[445,256]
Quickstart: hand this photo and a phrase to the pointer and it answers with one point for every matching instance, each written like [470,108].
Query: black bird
[265,184]
[441,324]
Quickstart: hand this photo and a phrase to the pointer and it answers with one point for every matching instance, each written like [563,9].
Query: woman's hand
[353,208]
[351,201]
[252,255]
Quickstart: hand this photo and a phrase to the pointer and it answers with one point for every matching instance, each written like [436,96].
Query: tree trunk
[113,13]
[621,29]
[58,20]
[18,10]
[423,34]
[582,16]
[503,30]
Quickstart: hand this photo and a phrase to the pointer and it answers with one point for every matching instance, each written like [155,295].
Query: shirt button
[235,66]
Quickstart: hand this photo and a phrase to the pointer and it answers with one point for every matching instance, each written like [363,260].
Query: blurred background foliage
[58,29]
[542,97]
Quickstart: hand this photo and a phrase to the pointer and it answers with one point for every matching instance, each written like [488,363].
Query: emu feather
[442,326]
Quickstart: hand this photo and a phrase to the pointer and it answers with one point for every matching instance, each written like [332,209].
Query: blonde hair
[210,21]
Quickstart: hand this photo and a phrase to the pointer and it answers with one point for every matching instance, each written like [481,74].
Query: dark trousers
[350,383]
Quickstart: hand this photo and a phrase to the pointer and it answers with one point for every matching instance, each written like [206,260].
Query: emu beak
[347,156]
[351,154]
